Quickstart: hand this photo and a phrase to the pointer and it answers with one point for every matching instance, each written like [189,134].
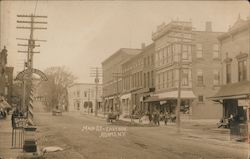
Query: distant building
[82,97]
[200,65]
[112,77]
[6,76]
[235,57]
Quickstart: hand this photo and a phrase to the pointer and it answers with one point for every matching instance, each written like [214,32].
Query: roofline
[117,52]
[79,83]
[234,31]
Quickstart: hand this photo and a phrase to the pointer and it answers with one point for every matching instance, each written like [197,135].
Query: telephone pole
[183,41]
[96,73]
[30,23]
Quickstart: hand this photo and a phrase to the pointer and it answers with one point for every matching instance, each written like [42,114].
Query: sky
[82,34]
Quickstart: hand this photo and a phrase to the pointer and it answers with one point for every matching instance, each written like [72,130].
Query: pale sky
[81,34]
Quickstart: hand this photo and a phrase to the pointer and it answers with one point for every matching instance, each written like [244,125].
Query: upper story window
[199,51]
[170,53]
[199,77]
[185,77]
[215,51]
[228,72]
[152,59]
[242,70]
[85,94]
[216,80]
[186,52]
[78,93]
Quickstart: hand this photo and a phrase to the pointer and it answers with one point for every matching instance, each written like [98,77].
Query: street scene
[124,79]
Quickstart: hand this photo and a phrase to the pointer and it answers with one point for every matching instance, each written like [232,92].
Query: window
[163,79]
[166,56]
[5,90]
[170,76]
[152,78]
[148,61]
[216,77]
[168,79]
[228,72]
[160,57]
[152,59]
[78,93]
[163,55]
[170,54]
[148,79]
[85,94]
[199,52]
[159,82]
[145,80]
[186,52]
[200,77]
[185,77]
[242,70]
[200,99]
[215,51]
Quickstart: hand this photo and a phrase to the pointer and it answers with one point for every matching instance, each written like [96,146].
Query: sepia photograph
[124,79]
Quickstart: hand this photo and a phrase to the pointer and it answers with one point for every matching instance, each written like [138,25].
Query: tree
[55,89]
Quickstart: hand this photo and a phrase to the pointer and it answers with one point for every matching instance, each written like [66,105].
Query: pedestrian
[150,117]
[157,118]
[166,117]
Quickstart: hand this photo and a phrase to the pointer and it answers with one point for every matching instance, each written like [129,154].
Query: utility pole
[117,75]
[97,73]
[31,21]
[178,106]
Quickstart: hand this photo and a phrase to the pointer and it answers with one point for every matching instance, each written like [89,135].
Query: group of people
[158,116]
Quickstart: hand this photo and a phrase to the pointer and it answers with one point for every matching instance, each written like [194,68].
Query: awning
[174,95]
[152,99]
[126,96]
[240,90]
[171,95]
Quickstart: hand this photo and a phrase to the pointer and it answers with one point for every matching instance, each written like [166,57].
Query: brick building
[235,57]
[138,80]
[112,77]
[82,97]
[200,67]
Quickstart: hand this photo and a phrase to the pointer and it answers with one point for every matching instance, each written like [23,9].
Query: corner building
[195,53]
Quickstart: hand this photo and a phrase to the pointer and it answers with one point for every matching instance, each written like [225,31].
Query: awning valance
[174,95]
[240,90]
[171,95]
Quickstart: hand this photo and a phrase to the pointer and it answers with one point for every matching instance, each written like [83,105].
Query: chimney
[142,45]
[208,26]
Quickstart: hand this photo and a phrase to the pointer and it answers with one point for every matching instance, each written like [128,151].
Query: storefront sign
[243,102]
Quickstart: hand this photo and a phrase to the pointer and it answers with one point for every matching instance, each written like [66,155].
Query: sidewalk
[6,150]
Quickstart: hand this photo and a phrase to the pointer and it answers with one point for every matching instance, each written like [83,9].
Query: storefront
[236,100]
[125,104]
[167,101]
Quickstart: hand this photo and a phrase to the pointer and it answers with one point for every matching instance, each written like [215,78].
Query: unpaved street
[78,135]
